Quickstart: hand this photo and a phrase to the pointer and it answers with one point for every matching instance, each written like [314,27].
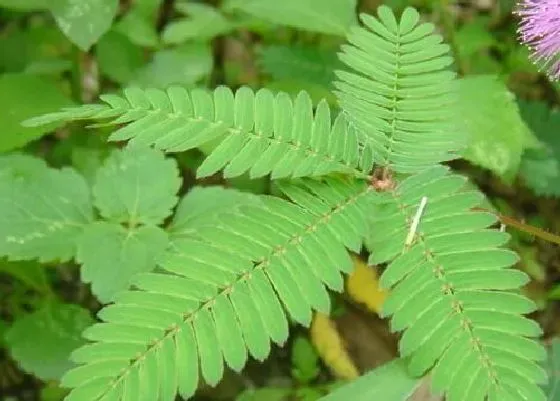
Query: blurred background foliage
[55,53]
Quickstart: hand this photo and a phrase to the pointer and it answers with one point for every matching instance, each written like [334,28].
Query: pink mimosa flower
[540,30]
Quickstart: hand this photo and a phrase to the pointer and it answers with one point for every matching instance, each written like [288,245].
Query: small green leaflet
[540,168]
[19,101]
[43,210]
[330,17]
[84,21]
[110,255]
[136,185]
[488,113]
[389,382]
[41,342]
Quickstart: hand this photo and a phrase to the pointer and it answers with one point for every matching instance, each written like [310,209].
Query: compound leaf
[220,294]
[260,132]
[126,251]
[59,328]
[398,92]
[137,185]
[454,294]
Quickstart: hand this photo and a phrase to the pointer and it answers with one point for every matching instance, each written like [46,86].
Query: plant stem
[510,221]
[76,79]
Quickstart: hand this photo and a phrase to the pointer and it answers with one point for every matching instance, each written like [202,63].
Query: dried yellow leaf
[363,286]
[330,347]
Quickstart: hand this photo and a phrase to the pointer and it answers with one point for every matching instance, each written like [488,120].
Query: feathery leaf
[454,294]
[397,91]
[257,132]
[220,295]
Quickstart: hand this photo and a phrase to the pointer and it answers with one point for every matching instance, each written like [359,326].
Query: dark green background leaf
[41,342]
[20,100]
[330,17]
[540,168]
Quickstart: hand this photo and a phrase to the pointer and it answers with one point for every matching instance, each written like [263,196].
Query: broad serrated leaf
[84,21]
[497,133]
[136,185]
[540,168]
[19,101]
[330,17]
[125,252]
[41,342]
[201,204]
[44,210]
[203,23]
